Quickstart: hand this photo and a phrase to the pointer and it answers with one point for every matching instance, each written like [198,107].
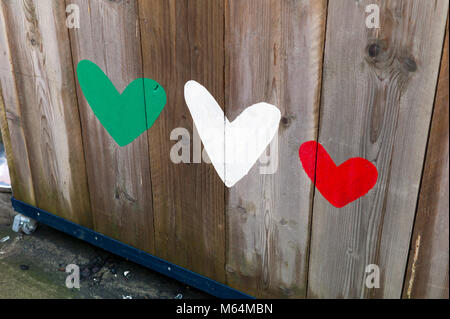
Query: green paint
[122,115]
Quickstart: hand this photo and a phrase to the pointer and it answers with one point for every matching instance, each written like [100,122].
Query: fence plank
[427,275]
[119,177]
[378,91]
[11,123]
[183,40]
[274,53]
[377,100]
[47,113]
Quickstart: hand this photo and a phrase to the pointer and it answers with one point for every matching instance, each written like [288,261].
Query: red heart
[341,184]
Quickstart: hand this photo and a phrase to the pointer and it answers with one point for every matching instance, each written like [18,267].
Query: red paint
[341,184]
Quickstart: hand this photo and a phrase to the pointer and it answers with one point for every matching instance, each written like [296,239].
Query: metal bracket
[138,256]
[24,224]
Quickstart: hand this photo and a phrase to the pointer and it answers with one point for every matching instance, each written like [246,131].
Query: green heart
[125,116]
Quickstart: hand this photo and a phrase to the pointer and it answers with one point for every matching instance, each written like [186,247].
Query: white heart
[233,147]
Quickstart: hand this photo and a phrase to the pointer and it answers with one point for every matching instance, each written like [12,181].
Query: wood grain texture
[47,106]
[119,177]
[274,53]
[183,40]
[5,142]
[6,211]
[11,123]
[378,91]
[427,275]
[271,235]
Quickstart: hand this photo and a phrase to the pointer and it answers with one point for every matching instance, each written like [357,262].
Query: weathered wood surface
[119,177]
[12,130]
[377,97]
[42,102]
[270,235]
[427,275]
[274,53]
[183,40]
[6,210]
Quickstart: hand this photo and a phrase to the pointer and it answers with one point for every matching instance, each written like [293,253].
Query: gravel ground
[34,267]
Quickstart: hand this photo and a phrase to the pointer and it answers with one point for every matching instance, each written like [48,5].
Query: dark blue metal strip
[116,247]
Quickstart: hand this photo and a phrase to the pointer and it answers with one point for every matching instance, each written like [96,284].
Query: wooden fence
[378,93]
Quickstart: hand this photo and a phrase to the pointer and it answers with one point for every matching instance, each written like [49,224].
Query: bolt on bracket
[24,224]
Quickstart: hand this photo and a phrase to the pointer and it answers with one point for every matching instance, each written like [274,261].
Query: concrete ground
[33,266]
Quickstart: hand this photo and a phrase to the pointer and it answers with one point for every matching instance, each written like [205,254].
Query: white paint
[233,147]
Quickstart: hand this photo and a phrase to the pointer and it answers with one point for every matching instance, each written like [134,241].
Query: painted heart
[342,184]
[233,147]
[124,116]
